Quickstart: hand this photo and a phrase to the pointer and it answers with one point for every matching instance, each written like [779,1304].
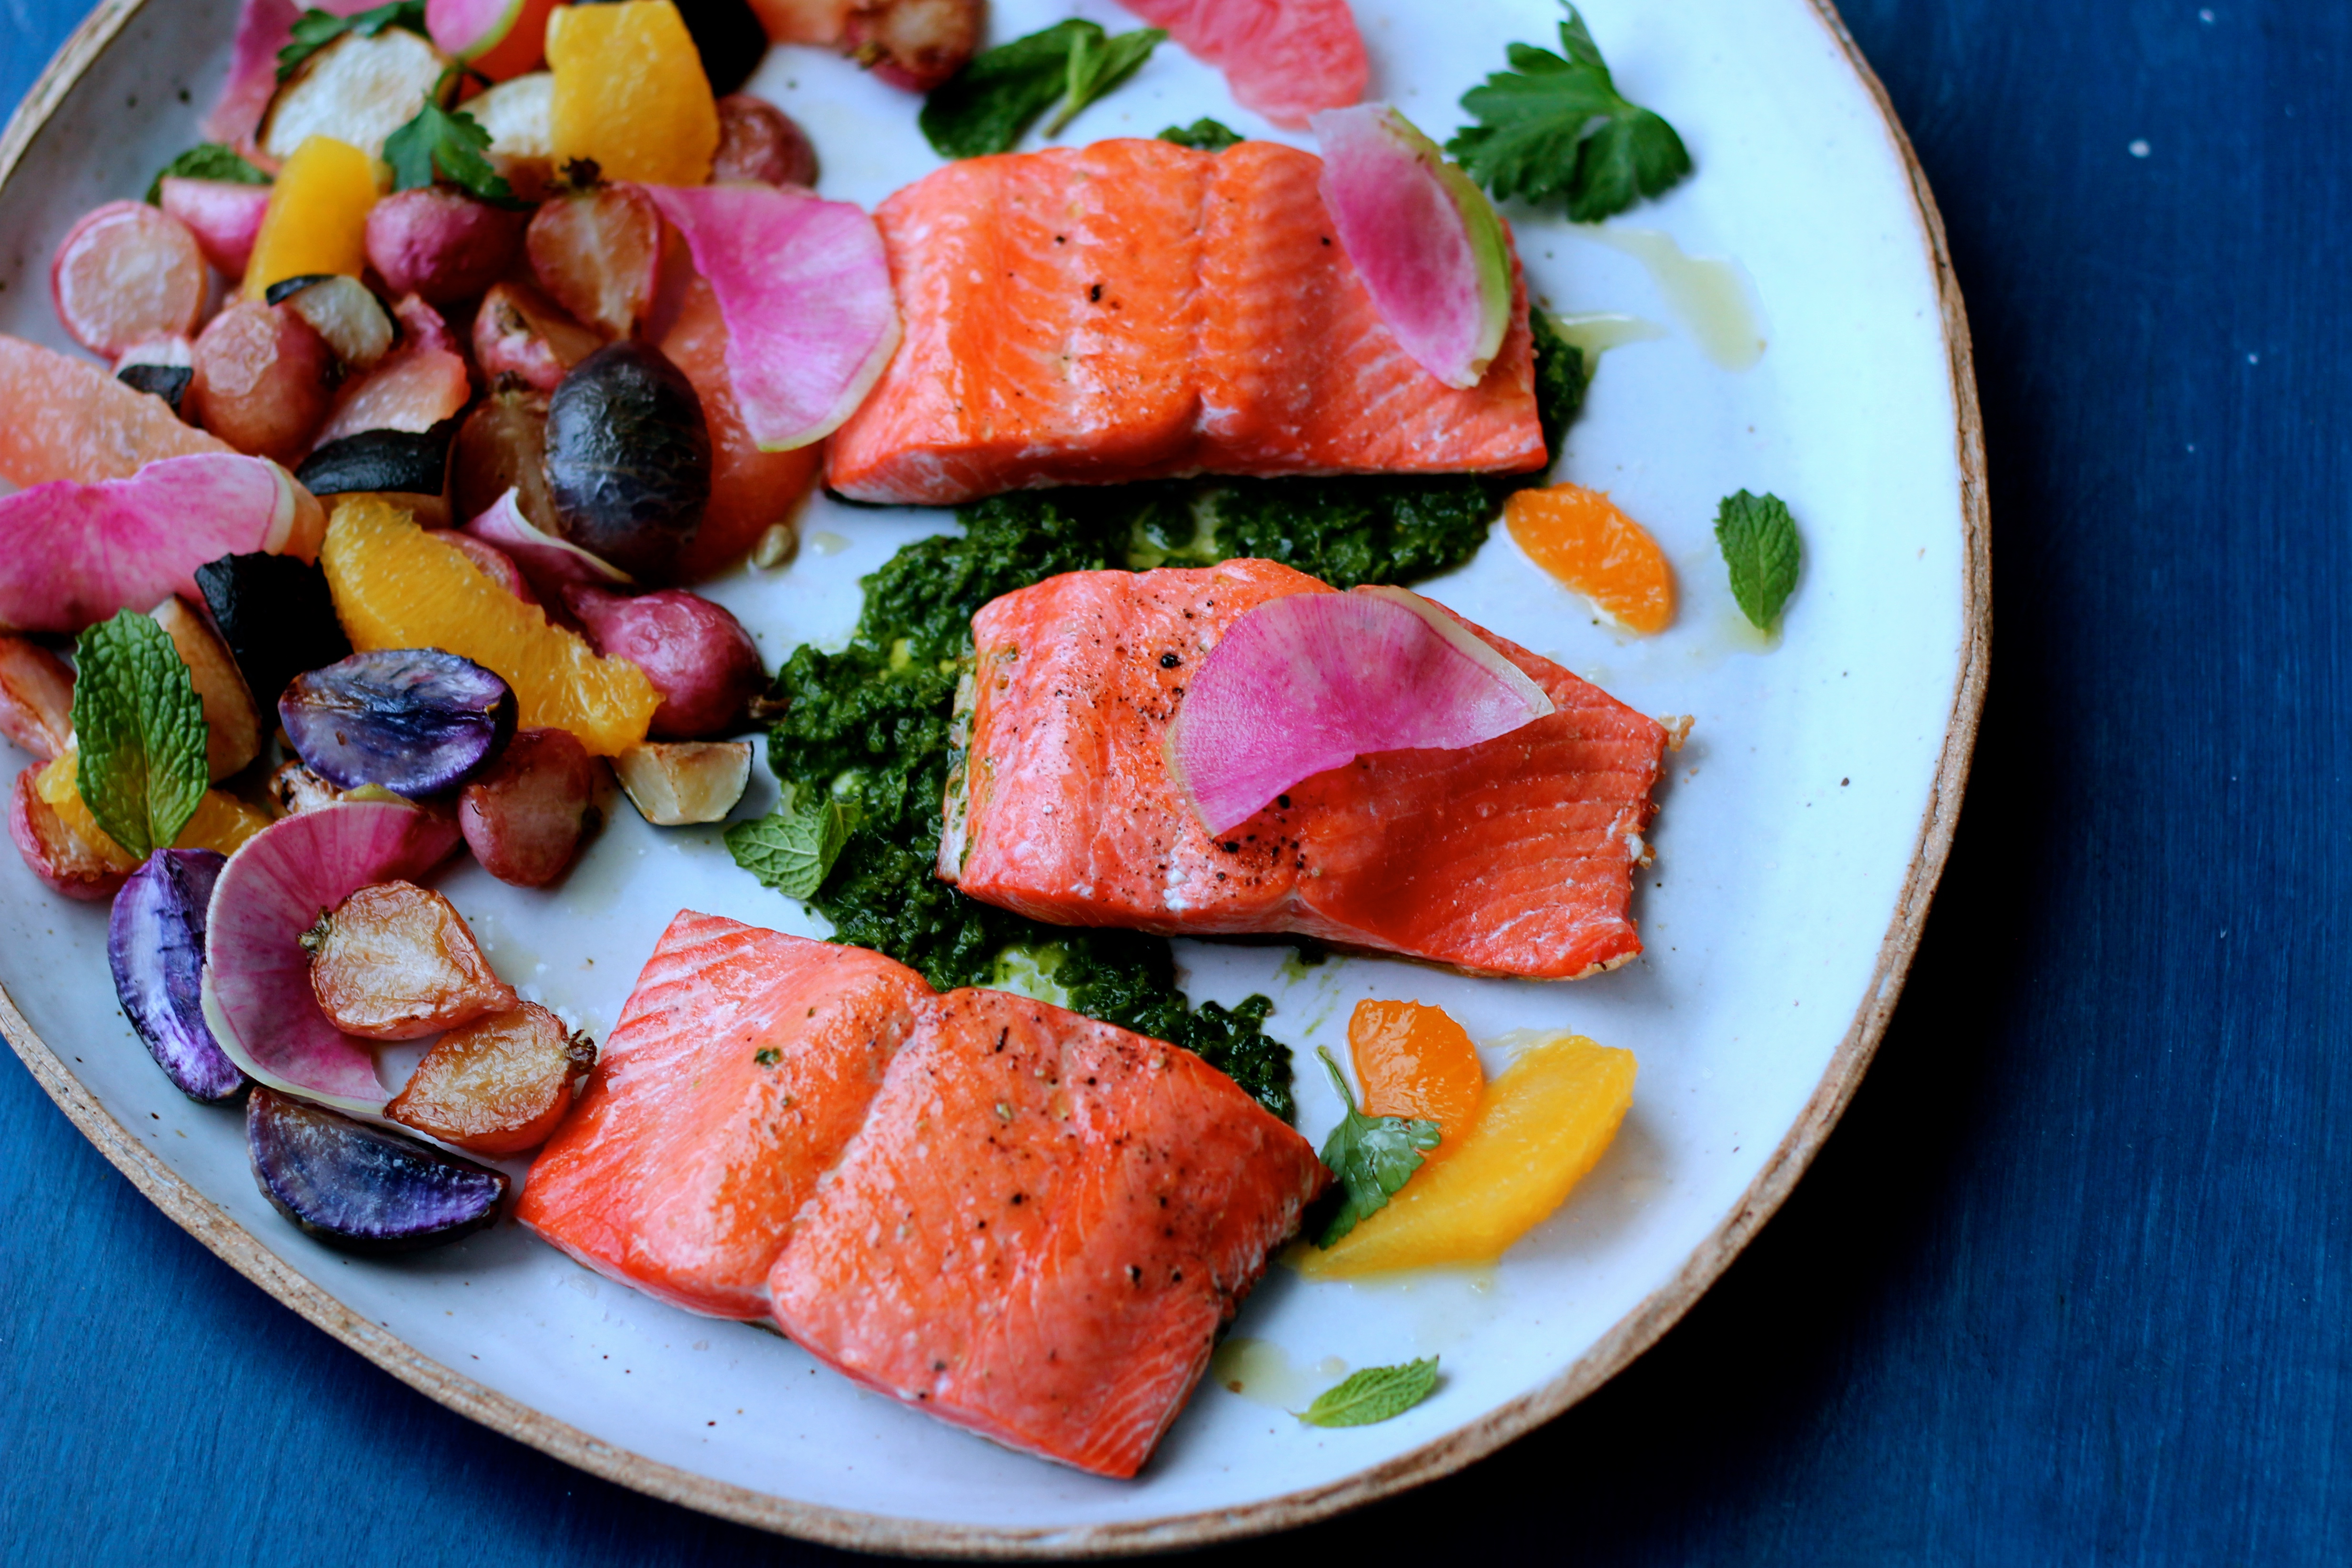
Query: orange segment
[396,586]
[1579,537]
[221,822]
[1412,1060]
[63,418]
[630,93]
[317,217]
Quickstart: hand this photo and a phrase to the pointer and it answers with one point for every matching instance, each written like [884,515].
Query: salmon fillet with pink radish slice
[743,1061]
[1041,1228]
[1513,857]
[1137,310]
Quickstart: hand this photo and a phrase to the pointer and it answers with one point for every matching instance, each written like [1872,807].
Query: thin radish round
[1311,681]
[127,272]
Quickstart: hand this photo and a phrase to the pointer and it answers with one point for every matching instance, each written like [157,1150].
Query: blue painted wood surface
[2071,1283]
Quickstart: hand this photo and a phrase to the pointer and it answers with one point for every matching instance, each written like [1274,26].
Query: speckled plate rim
[1633,1334]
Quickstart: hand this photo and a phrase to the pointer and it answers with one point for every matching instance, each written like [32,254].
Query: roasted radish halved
[525,816]
[397,961]
[496,1086]
[696,653]
[341,310]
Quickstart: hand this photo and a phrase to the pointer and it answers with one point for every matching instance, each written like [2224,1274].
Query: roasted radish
[64,863]
[439,244]
[262,381]
[223,215]
[496,1086]
[341,310]
[628,459]
[127,272]
[419,384]
[520,332]
[759,142]
[362,1188]
[524,816]
[397,961]
[598,255]
[915,44]
[698,656]
[36,697]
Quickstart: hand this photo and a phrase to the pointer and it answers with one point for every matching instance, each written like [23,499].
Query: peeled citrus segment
[317,217]
[1417,1062]
[1579,537]
[64,419]
[257,996]
[1309,682]
[397,586]
[630,93]
[221,822]
[1545,1123]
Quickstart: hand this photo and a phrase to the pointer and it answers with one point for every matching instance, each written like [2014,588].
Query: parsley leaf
[1758,539]
[1373,1156]
[205,161]
[1375,1394]
[985,107]
[140,729]
[314,30]
[1204,135]
[794,847]
[1552,127]
[450,143]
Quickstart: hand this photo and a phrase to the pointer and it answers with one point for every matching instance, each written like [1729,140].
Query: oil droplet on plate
[1263,1373]
[824,541]
[1597,333]
[1712,297]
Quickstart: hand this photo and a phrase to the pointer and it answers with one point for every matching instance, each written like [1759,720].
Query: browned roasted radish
[496,1086]
[397,961]
[521,332]
[261,381]
[598,253]
[760,143]
[440,245]
[525,814]
[915,44]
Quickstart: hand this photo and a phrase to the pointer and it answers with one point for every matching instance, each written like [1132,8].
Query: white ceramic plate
[1801,833]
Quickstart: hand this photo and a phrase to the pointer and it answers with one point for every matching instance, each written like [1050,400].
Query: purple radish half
[415,721]
[155,945]
[362,1188]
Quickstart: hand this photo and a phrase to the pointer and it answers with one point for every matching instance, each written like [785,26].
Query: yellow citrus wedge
[630,93]
[317,217]
[221,822]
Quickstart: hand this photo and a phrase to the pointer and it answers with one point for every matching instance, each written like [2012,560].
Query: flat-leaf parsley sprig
[1555,126]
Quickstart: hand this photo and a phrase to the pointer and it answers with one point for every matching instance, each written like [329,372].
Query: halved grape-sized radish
[360,1188]
[412,388]
[223,215]
[155,946]
[520,332]
[341,310]
[1311,681]
[73,555]
[598,253]
[36,697]
[63,862]
[162,366]
[398,961]
[415,721]
[264,380]
[759,142]
[441,245]
[1428,244]
[805,288]
[551,564]
[128,271]
[257,996]
[697,654]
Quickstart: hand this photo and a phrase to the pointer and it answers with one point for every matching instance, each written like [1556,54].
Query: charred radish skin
[526,815]
[397,961]
[276,616]
[497,1086]
[628,459]
[415,721]
[155,946]
[362,1188]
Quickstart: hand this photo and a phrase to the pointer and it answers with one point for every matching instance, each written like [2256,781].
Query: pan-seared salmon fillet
[1514,857]
[742,1063]
[1137,310]
[1041,1227]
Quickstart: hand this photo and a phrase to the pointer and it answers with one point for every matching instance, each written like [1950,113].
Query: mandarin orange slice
[1579,537]
[221,822]
[630,93]
[317,217]
[1416,1061]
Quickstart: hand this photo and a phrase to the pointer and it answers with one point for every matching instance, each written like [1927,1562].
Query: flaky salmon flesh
[1136,310]
[1010,1216]
[1514,857]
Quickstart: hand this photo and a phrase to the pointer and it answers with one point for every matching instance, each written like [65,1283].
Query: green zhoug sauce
[869,726]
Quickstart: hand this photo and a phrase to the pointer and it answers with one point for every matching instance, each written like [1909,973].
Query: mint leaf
[1204,135]
[1558,127]
[205,161]
[1759,540]
[140,729]
[1098,65]
[1375,1394]
[1373,1156]
[794,847]
[985,107]
[448,145]
[314,30]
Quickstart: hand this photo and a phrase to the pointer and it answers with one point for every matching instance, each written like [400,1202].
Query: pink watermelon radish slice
[500,38]
[1428,244]
[223,214]
[256,990]
[548,563]
[1285,58]
[804,290]
[72,554]
[263,27]
[1311,681]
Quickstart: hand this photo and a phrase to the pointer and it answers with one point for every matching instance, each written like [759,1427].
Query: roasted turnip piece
[223,215]
[126,272]
[341,310]
[439,244]
[915,44]
[362,1188]
[262,381]
[164,366]
[757,140]
[397,961]
[598,255]
[496,1086]
[628,459]
[63,862]
[295,789]
[36,697]
[525,814]
[675,782]
[410,468]
[550,563]
[517,114]
[276,616]
[520,332]
[699,656]
[232,723]
[155,945]
[358,90]
[415,721]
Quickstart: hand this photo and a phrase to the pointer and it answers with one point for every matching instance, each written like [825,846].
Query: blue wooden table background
[2073,1282]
